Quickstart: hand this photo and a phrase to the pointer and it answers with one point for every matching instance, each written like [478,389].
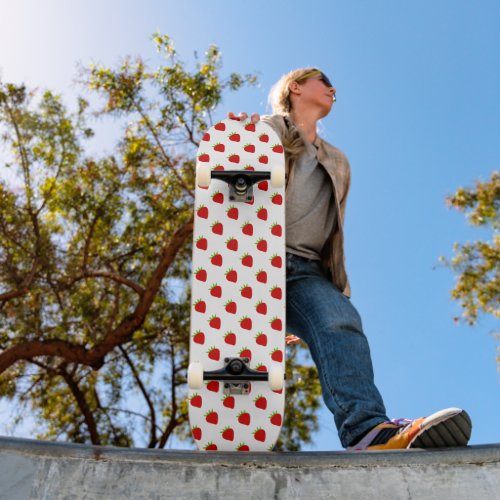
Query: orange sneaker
[450,427]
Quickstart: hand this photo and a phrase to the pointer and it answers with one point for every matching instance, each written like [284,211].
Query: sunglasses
[316,72]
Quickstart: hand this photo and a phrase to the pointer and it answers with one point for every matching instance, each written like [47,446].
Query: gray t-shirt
[310,207]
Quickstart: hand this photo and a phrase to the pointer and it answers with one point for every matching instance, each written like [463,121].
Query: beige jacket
[337,166]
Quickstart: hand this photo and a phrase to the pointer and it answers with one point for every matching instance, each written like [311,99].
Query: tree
[95,255]
[477,266]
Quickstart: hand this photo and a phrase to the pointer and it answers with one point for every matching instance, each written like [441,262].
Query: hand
[292,340]
[254,118]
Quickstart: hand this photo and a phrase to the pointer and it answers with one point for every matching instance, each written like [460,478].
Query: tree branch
[152,440]
[24,288]
[119,335]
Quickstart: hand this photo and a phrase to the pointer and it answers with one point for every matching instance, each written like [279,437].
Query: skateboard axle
[240,182]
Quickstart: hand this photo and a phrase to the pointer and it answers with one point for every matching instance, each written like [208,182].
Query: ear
[294,88]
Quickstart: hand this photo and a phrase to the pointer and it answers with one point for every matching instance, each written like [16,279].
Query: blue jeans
[325,319]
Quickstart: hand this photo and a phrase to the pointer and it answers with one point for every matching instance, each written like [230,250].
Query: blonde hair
[281,104]
[279,96]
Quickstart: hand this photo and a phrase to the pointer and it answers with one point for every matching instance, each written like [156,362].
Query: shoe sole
[446,428]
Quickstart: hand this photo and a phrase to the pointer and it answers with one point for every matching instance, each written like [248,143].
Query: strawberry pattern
[238,290]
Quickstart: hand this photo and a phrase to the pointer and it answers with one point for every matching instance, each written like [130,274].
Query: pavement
[31,469]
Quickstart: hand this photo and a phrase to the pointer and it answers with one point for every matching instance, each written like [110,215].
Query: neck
[306,121]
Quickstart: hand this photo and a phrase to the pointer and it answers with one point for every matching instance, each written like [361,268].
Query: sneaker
[450,427]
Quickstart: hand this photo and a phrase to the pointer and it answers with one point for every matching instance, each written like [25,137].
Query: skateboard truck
[236,376]
[240,182]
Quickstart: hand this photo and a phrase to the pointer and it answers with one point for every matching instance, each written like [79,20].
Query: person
[318,306]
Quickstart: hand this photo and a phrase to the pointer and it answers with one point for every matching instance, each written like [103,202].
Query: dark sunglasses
[315,72]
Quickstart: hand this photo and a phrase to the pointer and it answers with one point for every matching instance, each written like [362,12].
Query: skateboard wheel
[277,176]
[203,175]
[276,378]
[195,376]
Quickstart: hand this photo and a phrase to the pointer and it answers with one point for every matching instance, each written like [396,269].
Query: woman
[319,310]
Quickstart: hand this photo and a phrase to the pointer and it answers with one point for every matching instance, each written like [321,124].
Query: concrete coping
[478,454]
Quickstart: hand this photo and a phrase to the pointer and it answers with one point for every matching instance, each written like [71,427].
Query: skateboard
[237,335]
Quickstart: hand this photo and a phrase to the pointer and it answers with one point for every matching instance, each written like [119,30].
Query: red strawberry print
[261,368]
[276,230]
[231,275]
[201,243]
[246,353]
[204,158]
[206,137]
[234,158]
[210,447]
[228,434]
[246,323]
[276,324]
[262,245]
[228,401]
[277,199]
[249,148]
[276,261]
[262,213]
[247,260]
[277,355]
[202,212]
[278,148]
[276,293]
[244,418]
[201,274]
[214,353]
[231,307]
[263,138]
[216,291]
[213,386]
[235,137]
[218,197]
[263,159]
[261,308]
[199,337]
[220,126]
[261,339]
[247,229]
[230,338]
[219,167]
[249,167]
[217,228]
[250,202]
[243,447]
[260,402]
[261,276]
[219,147]
[246,292]
[196,400]
[232,244]
[216,259]
[214,322]
[263,186]
[196,432]
[200,306]
[275,418]
[250,127]
[232,212]
[212,417]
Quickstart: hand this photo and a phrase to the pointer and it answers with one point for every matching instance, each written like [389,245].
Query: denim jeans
[325,319]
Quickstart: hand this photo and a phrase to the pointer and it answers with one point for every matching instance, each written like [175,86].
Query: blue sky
[418,115]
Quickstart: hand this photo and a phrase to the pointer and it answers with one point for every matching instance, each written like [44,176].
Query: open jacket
[337,166]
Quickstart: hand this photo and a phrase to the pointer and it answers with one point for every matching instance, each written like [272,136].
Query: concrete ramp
[35,469]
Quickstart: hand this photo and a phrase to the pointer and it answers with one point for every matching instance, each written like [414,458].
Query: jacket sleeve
[347,185]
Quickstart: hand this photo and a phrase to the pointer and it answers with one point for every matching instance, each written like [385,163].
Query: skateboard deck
[238,291]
